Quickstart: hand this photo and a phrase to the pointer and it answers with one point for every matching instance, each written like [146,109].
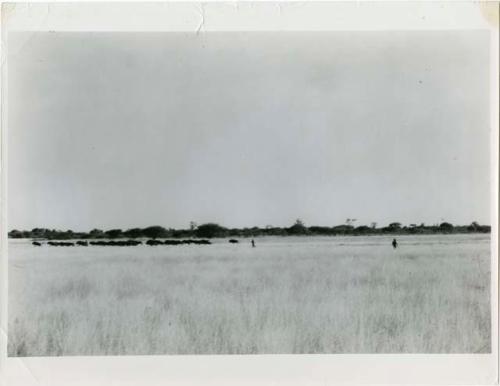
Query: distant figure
[394,243]
[253,244]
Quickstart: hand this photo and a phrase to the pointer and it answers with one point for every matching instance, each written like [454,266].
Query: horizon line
[269,226]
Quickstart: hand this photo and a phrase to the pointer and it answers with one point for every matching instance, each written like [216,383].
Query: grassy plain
[287,295]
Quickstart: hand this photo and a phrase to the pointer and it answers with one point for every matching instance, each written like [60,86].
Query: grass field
[287,295]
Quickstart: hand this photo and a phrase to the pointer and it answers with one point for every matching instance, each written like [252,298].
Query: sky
[121,130]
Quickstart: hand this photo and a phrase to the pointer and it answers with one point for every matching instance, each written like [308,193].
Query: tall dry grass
[304,295]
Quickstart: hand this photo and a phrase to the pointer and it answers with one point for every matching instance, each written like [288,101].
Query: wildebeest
[153,242]
[172,242]
[202,242]
[114,243]
[36,244]
[130,242]
[187,241]
[60,244]
[233,241]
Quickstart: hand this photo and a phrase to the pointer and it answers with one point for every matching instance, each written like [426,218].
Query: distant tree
[275,231]
[342,229]
[210,230]
[446,227]
[15,234]
[38,232]
[373,225]
[52,234]
[96,233]
[179,233]
[363,229]
[235,232]
[392,227]
[320,230]
[298,228]
[255,231]
[193,225]
[114,233]
[155,231]
[473,227]
[133,233]
[484,228]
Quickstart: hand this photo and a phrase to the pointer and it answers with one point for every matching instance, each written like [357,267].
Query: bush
[114,233]
[210,230]
[133,233]
[363,229]
[155,231]
[298,228]
[96,233]
[15,234]
[446,227]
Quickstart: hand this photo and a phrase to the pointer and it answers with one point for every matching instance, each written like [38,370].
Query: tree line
[210,230]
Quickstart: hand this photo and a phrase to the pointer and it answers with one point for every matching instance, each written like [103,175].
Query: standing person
[394,243]
[253,244]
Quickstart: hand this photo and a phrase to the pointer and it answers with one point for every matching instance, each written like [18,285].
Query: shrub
[210,230]
[155,231]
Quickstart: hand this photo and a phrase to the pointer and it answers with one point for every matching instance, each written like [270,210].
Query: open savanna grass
[289,295]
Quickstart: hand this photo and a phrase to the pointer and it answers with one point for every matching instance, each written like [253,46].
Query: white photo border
[253,369]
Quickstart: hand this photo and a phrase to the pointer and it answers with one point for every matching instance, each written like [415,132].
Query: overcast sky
[124,130]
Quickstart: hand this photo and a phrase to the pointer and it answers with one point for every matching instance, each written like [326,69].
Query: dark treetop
[211,230]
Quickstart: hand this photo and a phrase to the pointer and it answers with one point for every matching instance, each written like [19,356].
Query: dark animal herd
[122,243]
[177,242]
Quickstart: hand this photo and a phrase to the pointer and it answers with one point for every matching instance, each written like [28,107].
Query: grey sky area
[122,130]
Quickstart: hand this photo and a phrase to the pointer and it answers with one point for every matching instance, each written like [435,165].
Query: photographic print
[249,193]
